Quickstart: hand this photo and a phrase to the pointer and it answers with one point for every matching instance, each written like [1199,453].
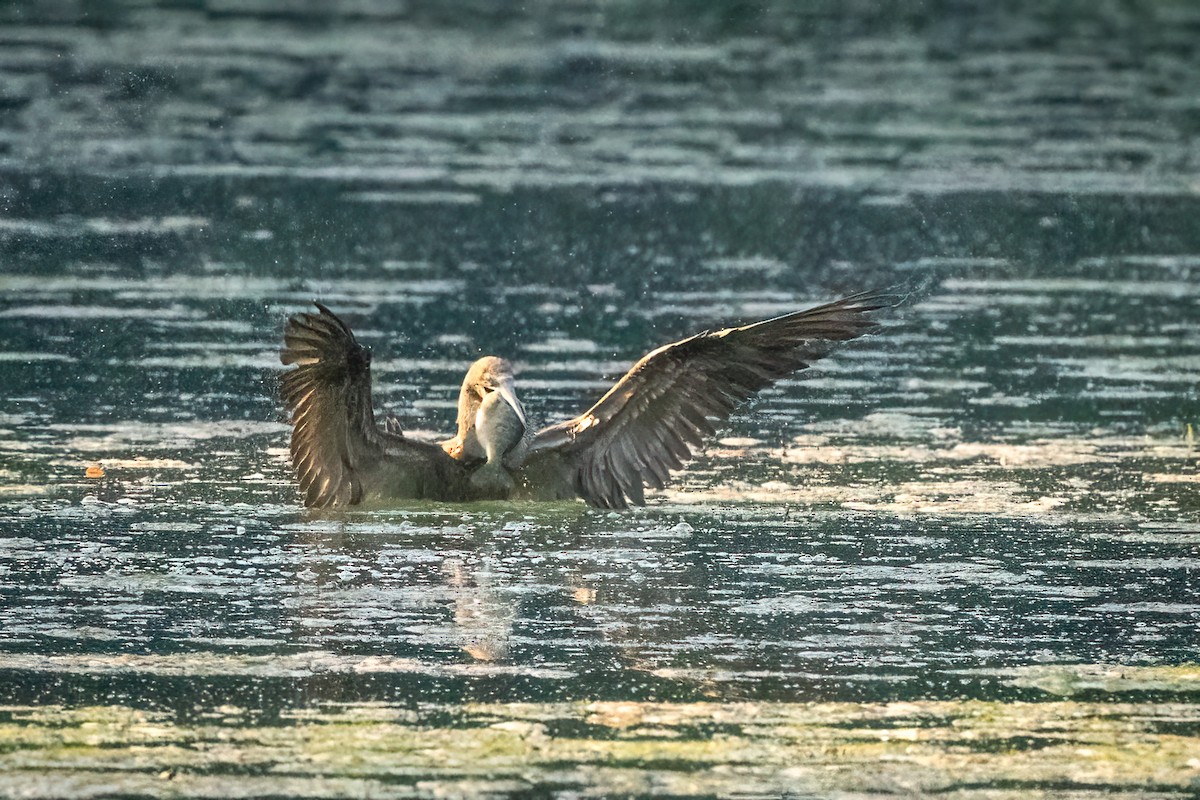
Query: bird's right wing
[337,448]
[657,416]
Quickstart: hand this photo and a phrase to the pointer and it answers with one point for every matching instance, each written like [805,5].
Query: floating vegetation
[959,749]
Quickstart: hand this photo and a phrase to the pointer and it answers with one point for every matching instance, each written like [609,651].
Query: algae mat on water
[1054,748]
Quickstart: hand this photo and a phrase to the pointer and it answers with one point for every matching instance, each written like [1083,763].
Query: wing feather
[658,415]
[338,451]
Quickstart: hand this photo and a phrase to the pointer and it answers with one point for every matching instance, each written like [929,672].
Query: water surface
[956,557]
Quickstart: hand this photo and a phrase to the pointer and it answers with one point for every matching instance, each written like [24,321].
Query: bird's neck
[468,406]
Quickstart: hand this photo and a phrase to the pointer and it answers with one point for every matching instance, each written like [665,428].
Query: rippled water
[959,556]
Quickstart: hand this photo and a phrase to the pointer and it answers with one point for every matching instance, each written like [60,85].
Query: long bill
[505,388]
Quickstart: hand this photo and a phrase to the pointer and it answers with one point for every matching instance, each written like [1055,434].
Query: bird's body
[499,429]
[647,425]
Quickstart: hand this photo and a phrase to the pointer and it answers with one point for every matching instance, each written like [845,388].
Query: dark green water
[994,501]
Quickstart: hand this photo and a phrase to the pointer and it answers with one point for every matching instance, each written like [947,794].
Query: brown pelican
[649,423]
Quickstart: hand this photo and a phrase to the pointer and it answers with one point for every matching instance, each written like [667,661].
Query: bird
[648,425]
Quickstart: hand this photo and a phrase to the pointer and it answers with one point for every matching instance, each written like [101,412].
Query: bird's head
[488,374]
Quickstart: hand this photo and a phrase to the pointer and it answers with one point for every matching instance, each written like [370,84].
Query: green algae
[954,748]
[1075,679]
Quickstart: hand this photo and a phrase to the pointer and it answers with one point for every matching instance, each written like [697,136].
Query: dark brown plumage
[340,455]
[652,421]
[657,416]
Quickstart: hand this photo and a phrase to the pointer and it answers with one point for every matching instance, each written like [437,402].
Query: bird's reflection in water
[483,616]
[508,593]
[485,608]
[616,602]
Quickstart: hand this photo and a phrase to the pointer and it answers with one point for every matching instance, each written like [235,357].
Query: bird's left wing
[338,450]
[657,416]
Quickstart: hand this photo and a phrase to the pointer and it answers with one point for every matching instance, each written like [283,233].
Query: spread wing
[339,453]
[656,417]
